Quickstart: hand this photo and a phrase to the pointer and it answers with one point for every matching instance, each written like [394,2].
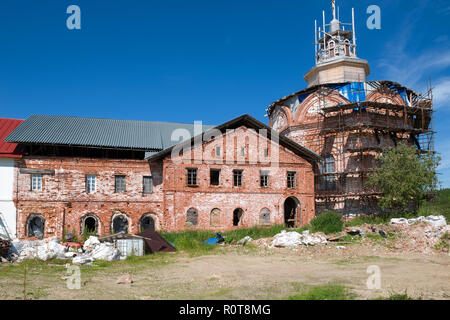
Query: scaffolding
[355,135]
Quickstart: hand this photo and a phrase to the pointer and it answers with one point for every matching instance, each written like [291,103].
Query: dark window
[120,184]
[327,182]
[264,179]
[214,177]
[147,222]
[192,176]
[120,224]
[237,215]
[35,226]
[237,178]
[327,165]
[147,184]
[266,152]
[291,179]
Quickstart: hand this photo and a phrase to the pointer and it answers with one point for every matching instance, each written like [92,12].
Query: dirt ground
[233,272]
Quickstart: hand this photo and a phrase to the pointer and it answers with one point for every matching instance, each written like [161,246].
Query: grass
[192,241]
[398,296]
[440,205]
[444,244]
[327,222]
[323,292]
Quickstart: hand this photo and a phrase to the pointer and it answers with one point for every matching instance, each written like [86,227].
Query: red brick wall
[251,198]
[63,202]
[63,198]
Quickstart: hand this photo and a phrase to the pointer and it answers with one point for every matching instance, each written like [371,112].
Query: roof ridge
[113,119]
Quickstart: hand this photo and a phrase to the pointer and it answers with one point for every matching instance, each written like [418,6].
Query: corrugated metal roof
[94,132]
[8,149]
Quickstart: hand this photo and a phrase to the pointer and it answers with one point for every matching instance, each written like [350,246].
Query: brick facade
[64,202]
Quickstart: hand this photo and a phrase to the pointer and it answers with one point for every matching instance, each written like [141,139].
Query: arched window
[347,48]
[237,216]
[119,223]
[331,46]
[89,224]
[215,218]
[35,226]
[264,217]
[147,222]
[191,217]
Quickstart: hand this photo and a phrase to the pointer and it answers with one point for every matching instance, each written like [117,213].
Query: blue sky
[204,60]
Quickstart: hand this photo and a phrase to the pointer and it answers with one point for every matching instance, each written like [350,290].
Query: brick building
[103,175]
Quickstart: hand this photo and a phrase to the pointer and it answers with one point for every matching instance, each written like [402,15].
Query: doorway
[291,210]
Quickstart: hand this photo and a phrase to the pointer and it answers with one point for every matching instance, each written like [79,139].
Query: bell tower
[335,53]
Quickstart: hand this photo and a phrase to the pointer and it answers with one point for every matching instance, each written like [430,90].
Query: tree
[404,176]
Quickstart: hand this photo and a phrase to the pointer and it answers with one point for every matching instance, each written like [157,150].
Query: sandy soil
[247,273]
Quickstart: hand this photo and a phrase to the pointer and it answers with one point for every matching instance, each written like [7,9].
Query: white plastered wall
[7,208]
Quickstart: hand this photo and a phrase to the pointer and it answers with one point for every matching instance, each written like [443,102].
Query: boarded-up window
[215,218]
[264,217]
[191,217]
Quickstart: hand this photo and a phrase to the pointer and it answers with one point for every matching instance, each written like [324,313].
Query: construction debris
[294,239]
[244,241]
[125,279]
[51,248]
[435,221]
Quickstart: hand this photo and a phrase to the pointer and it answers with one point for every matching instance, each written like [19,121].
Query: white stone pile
[51,248]
[435,221]
[294,239]
[96,250]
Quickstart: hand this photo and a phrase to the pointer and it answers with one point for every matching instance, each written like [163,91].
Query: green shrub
[323,292]
[327,222]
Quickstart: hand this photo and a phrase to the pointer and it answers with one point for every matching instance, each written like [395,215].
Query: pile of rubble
[286,239]
[435,221]
[421,234]
[51,248]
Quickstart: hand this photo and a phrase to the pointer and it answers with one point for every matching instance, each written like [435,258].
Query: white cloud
[404,63]
[441,93]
